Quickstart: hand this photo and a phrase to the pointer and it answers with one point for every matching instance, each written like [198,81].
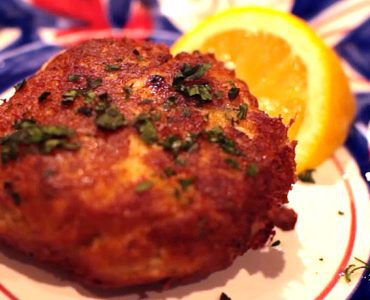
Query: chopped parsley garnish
[224,297]
[44,96]
[217,135]
[194,72]
[170,102]
[186,112]
[109,118]
[85,110]
[9,189]
[233,93]
[69,97]
[189,73]
[307,176]
[219,94]
[243,110]
[201,90]
[252,170]
[186,182]
[276,243]
[31,135]
[113,67]
[353,268]
[233,163]
[146,101]
[93,83]
[138,55]
[20,85]
[74,77]
[144,186]
[175,144]
[89,96]
[145,125]
[169,171]
[127,90]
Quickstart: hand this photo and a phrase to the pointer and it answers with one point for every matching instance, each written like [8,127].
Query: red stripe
[349,249]
[335,17]
[7,293]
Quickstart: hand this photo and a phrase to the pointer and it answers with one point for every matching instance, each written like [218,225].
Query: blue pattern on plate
[355,48]
[19,66]
[307,9]
[26,54]
[356,141]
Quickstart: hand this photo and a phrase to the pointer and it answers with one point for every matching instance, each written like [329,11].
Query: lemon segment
[292,72]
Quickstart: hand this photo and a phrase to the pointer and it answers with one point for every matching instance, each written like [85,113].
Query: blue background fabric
[29,50]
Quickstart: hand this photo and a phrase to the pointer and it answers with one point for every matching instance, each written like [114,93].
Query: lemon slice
[288,68]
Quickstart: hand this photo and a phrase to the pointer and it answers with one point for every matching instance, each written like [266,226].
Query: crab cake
[125,165]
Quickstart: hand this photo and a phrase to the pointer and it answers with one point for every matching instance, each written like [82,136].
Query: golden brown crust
[81,209]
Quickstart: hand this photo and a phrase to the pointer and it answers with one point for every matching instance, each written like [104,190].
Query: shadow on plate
[268,262]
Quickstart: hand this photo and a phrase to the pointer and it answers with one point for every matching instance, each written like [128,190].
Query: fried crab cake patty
[125,165]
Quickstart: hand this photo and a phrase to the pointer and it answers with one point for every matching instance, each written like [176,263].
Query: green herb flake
[145,125]
[31,135]
[219,94]
[175,144]
[217,135]
[307,176]
[85,110]
[144,186]
[321,259]
[146,101]
[9,189]
[89,96]
[233,93]
[252,170]
[198,71]
[44,96]
[186,113]
[190,73]
[110,119]
[169,171]
[138,55]
[223,296]
[341,213]
[113,67]
[233,163]
[243,110]
[186,182]
[69,97]
[74,77]
[93,83]
[51,144]
[201,90]
[276,243]
[127,90]
[170,102]
[20,85]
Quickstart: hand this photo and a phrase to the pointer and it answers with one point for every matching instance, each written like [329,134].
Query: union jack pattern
[34,30]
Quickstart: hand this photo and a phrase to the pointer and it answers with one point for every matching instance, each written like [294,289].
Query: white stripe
[335,22]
